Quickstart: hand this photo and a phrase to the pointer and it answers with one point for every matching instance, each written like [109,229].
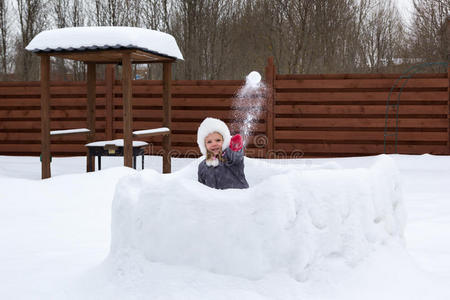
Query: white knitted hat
[210,125]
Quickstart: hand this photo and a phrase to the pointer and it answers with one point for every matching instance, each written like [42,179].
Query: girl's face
[214,142]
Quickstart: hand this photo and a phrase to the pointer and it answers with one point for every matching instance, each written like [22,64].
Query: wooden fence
[303,115]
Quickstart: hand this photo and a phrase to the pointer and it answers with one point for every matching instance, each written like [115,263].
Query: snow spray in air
[248,106]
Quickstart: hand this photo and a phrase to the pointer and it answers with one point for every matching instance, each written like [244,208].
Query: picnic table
[113,148]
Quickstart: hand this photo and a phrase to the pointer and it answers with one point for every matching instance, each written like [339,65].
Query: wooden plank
[127,110]
[184,101]
[45,117]
[52,83]
[191,83]
[67,102]
[358,109]
[179,115]
[356,135]
[19,83]
[111,56]
[208,82]
[356,76]
[54,90]
[374,83]
[180,126]
[358,148]
[55,125]
[63,147]
[7,102]
[137,83]
[197,90]
[35,136]
[35,102]
[19,136]
[54,113]
[184,114]
[358,122]
[192,138]
[361,96]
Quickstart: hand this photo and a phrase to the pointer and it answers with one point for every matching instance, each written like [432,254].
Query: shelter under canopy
[106,45]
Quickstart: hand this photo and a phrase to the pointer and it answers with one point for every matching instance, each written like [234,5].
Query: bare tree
[4,40]
[201,30]
[428,35]
[155,15]
[116,13]
[77,19]
[32,20]
[68,13]
[381,36]
[227,39]
[61,11]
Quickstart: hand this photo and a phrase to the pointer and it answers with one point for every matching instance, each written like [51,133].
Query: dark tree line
[226,39]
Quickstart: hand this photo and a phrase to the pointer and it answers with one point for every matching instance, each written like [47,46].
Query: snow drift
[291,219]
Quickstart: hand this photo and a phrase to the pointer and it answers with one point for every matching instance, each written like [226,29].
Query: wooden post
[270,105]
[448,87]
[109,107]
[127,111]
[91,95]
[167,122]
[45,117]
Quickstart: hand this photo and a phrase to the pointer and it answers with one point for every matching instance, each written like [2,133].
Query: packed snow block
[289,222]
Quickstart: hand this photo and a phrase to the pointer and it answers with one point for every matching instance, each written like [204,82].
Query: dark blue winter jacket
[227,175]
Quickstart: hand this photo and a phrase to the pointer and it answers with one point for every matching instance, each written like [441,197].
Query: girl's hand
[236,143]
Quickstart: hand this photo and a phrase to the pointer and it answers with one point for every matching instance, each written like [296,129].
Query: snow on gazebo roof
[76,39]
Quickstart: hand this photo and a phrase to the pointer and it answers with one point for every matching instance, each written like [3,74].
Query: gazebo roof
[107,44]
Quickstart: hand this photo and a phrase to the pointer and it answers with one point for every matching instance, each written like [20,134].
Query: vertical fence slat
[109,107]
[270,82]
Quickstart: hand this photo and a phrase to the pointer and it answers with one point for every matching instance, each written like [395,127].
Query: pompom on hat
[210,125]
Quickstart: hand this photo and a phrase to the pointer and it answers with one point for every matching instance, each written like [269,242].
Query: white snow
[118,143]
[253,79]
[69,131]
[55,234]
[149,131]
[287,222]
[105,37]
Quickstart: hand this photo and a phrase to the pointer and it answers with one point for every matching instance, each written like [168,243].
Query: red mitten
[236,143]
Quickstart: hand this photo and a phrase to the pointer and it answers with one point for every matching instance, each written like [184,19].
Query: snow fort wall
[290,220]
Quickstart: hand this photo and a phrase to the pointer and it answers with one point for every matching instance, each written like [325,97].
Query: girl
[223,167]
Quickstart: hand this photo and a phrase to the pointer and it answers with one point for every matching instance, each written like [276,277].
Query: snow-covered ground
[55,238]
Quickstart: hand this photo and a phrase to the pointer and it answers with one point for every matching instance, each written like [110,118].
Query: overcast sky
[405,7]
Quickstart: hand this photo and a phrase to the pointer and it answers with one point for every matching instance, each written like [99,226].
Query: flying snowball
[253,79]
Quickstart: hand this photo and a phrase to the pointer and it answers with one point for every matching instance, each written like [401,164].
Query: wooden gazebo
[129,46]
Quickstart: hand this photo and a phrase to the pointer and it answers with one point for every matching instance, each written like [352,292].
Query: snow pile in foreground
[290,220]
